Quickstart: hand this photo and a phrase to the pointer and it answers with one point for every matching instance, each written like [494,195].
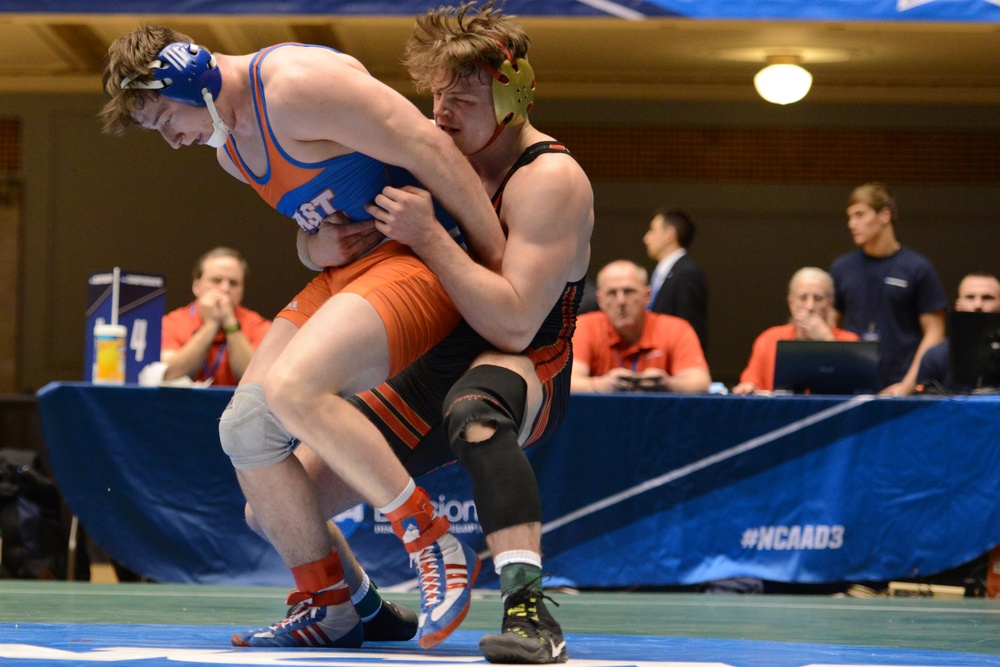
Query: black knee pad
[487,394]
[503,483]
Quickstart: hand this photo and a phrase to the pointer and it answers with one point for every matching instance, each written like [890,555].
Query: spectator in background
[214,336]
[978,292]
[626,348]
[887,292]
[678,286]
[810,302]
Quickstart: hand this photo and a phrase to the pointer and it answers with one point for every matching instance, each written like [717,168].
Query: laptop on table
[826,367]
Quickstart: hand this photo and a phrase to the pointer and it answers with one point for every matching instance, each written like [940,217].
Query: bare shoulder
[548,210]
[552,172]
[295,72]
[311,94]
[558,161]
[549,203]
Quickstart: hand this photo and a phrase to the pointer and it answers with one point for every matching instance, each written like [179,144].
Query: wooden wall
[767,186]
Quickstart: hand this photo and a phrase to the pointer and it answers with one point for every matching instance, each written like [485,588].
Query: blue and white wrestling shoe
[331,623]
[447,569]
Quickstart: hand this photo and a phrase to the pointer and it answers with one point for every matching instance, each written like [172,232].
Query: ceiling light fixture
[783,81]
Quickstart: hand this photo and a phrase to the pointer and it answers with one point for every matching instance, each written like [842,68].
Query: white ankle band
[516,556]
[400,499]
[362,590]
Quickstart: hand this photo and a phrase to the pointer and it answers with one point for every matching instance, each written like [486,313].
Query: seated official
[810,302]
[213,337]
[977,293]
[624,347]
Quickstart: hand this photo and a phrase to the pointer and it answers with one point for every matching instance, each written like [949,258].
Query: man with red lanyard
[213,337]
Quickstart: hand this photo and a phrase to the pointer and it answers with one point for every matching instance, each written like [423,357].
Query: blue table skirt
[636,489]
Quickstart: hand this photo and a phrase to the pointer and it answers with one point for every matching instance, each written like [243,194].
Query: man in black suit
[678,285]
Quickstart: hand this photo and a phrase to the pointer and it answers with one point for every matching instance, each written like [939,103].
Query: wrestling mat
[59,624]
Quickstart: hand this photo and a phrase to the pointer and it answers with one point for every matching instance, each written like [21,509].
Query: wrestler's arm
[548,211]
[337,241]
[357,111]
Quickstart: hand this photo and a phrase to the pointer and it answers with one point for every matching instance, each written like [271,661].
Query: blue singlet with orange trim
[309,192]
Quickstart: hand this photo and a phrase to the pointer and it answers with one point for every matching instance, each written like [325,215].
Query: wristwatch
[232,328]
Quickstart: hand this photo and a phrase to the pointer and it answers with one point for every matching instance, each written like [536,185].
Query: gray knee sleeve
[250,433]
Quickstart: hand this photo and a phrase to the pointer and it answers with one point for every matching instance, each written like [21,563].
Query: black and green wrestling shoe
[529,634]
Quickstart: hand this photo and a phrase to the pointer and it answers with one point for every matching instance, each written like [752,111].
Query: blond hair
[458,41]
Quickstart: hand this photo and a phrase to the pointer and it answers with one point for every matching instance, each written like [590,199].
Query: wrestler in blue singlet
[309,192]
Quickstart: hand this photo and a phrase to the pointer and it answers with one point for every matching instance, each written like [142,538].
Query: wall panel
[91,202]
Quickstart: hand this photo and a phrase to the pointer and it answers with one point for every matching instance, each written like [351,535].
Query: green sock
[516,576]
[368,605]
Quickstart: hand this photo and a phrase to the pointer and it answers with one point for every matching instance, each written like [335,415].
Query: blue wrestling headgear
[189,74]
[513,90]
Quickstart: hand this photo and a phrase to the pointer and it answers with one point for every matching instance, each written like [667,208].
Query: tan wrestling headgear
[513,90]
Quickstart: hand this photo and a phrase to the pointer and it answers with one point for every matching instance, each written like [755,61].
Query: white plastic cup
[109,353]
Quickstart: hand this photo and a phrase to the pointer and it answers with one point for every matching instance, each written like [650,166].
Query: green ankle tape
[369,605]
[517,576]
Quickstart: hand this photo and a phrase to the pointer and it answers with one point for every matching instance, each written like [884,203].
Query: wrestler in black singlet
[407,409]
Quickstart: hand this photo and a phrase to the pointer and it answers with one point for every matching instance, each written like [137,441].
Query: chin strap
[221,132]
